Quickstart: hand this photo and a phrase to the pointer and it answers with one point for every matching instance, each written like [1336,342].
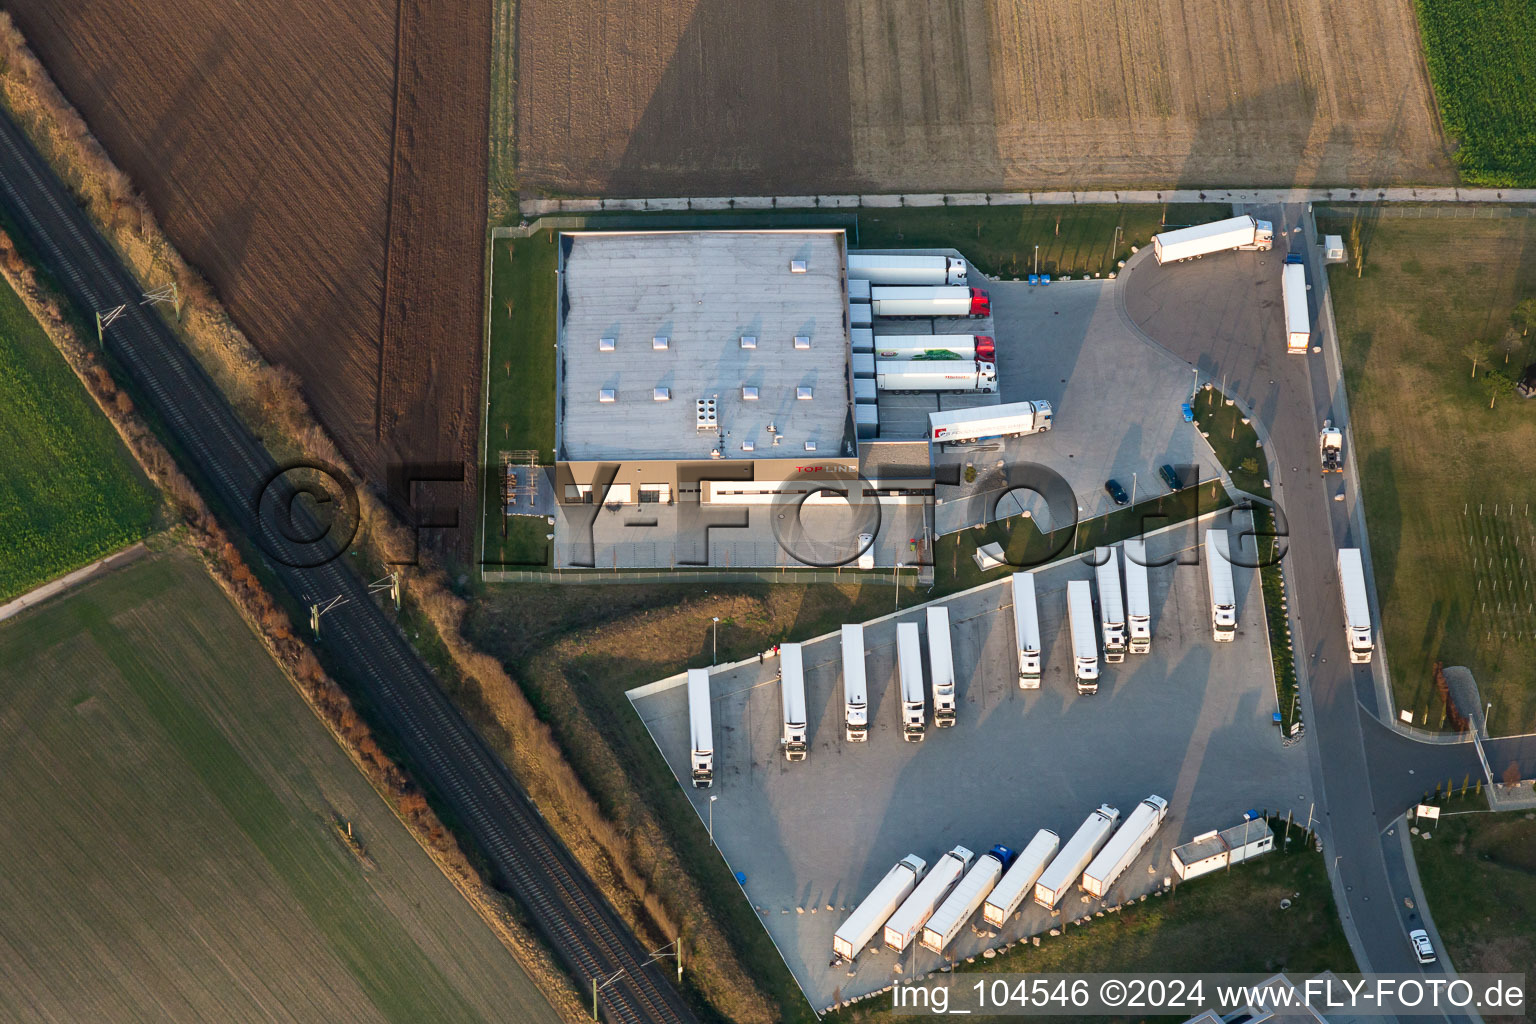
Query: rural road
[1224,316]
[37,595]
[361,642]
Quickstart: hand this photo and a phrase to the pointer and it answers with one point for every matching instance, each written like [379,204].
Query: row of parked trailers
[914,695]
[932,906]
[1123,624]
[912,286]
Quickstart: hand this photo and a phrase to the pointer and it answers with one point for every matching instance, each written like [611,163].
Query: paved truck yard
[1116,401]
[1189,721]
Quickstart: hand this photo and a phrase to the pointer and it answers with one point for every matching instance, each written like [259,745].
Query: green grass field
[1001,240]
[1224,921]
[168,828]
[1479,54]
[1446,491]
[70,492]
[1479,873]
[1025,545]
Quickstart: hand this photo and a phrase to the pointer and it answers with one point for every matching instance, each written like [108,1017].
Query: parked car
[1170,477]
[1117,492]
[1421,946]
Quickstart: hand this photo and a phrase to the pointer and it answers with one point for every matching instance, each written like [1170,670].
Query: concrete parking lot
[1116,399]
[1190,722]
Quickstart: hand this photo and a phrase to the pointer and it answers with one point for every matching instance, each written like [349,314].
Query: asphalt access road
[1224,315]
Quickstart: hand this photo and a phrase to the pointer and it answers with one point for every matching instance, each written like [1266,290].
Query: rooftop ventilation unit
[803,394]
[714,453]
[797,266]
[775,440]
[707,416]
[810,446]
[606,395]
[748,393]
[659,342]
[661,395]
[801,341]
[748,341]
[748,446]
[605,344]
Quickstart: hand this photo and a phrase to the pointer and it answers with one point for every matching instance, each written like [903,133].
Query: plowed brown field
[692,97]
[336,206]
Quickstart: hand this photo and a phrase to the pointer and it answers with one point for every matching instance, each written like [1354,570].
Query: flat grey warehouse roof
[703,292]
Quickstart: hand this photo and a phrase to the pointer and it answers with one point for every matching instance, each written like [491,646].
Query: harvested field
[170,837]
[969,94]
[336,206]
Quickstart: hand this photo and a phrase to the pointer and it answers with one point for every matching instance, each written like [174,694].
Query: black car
[1117,492]
[1170,477]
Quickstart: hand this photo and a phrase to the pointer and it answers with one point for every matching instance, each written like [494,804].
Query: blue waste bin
[1189,412]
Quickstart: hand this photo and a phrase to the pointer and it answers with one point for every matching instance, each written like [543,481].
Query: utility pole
[714,641]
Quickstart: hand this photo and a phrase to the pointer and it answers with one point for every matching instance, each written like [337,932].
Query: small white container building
[1213,851]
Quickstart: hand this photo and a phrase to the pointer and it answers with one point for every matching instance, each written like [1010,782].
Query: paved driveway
[1223,315]
[1116,399]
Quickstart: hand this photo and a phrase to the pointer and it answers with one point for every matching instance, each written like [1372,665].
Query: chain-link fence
[905,577]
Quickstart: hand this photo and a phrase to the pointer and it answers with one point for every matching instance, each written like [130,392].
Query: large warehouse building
[696,363]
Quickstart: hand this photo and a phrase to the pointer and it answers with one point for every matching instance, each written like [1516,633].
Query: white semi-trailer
[909,666]
[1011,420]
[1218,573]
[1125,846]
[909,270]
[1020,879]
[914,912]
[1026,630]
[936,346]
[701,729]
[1111,608]
[855,686]
[934,375]
[1293,289]
[957,301]
[1085,643]
[876,908]
[941,666]
[792,690]
[1357,606]
[1074,856]
[1138,600]
[1219,236]
[958,906]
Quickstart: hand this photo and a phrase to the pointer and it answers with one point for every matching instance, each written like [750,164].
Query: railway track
[385,671]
